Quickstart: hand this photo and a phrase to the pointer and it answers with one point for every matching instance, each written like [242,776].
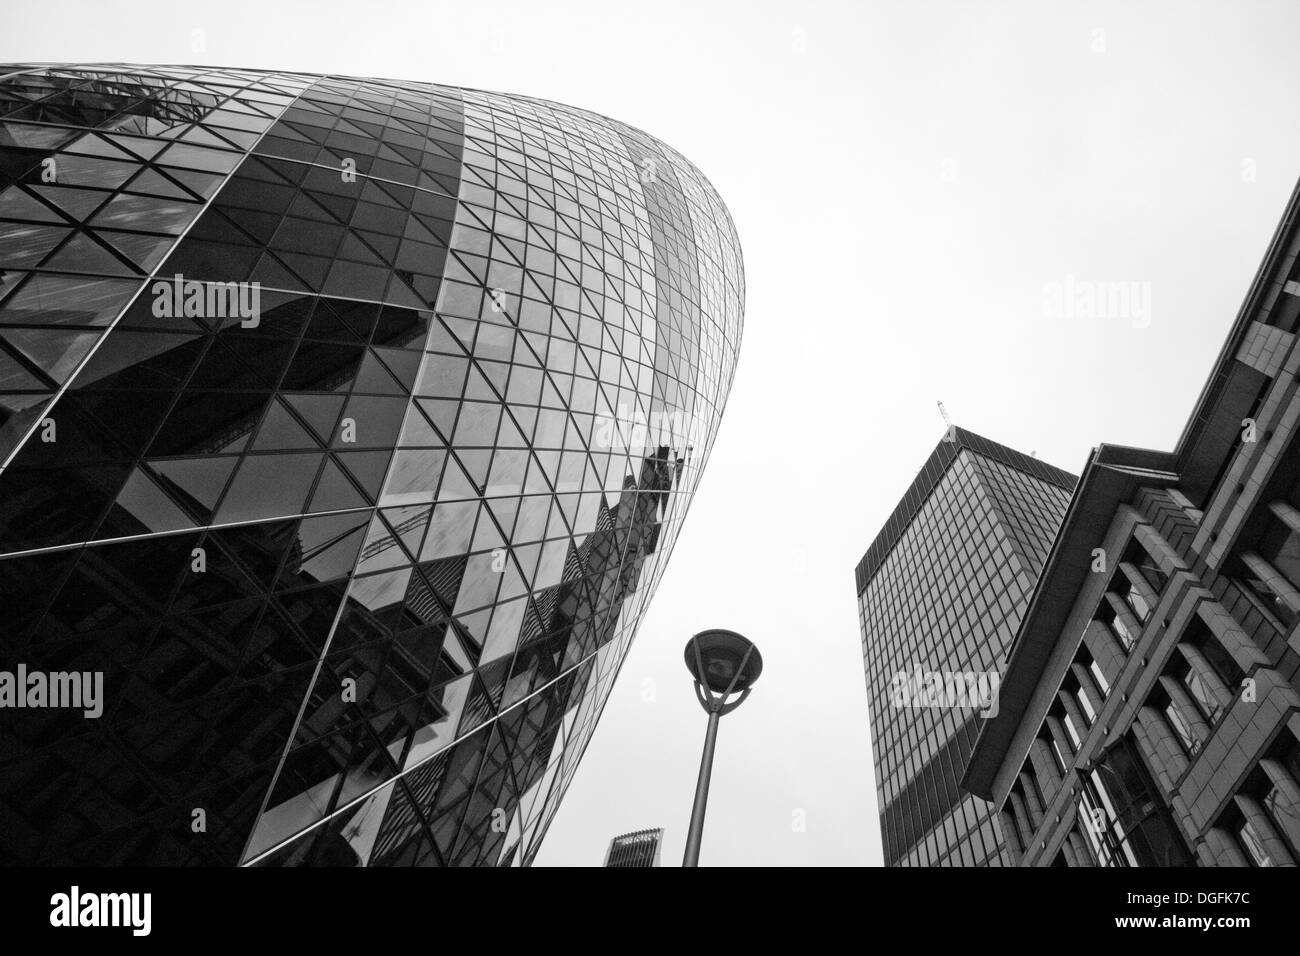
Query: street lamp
[723,663]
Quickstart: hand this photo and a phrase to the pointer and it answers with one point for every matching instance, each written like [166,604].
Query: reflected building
[359,570]
[940,593]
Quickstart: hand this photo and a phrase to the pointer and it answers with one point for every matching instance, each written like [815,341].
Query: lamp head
[723,656]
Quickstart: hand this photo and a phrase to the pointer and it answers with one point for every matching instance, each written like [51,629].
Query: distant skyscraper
[638,850]
[345,428]
[940,594]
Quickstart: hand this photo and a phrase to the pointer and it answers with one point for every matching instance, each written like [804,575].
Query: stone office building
[1149,712]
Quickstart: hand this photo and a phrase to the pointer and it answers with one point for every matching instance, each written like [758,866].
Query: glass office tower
[345,426]
[940,594]
[636,850]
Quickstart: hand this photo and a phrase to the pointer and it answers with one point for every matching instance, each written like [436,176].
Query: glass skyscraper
[345,428]
[637,850]
[940,594]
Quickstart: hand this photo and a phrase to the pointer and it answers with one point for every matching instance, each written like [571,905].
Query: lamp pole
[696,833]
[723,663]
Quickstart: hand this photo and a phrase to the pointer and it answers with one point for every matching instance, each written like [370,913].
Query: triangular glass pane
[450,530]
[269,486]
[382,548]
[83,254]
[441,413]
[15,378]
[367,467]
[455,484]
[197,481]
[487,536]
[17,203]
[203,184]
[321,412]
[272,275]
[141,146]
[416,430]
[327,546]
[409,525]
[335,492]
[145,251]
[147,504]
[92,145]
[56,352]
[150,182]
[504,510]
[77,203]
[374,376]
[281,431]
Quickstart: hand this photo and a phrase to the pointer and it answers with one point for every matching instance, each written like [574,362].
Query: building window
[1094,669]
[1216,655]
[1279,810]
[1205,699]
[1205,670]
[1280,547]
[1058,747]
[1253,845]
[1271,572]
[1289,756]
[1270,599]
[1181,727]
[1125,823]
[1133,598]
[1126,638]
[1061,760]
[1070,729]
[1275,783]
[1085,705]
[1072,687]
[1141,559]
[1087,662]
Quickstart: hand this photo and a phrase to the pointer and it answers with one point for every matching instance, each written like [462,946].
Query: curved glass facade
[345,427]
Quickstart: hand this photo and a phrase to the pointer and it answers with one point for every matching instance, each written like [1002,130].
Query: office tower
[639,849]
[940,592]
[1150,709]
[346,427]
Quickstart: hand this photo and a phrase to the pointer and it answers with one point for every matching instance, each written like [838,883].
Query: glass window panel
[56,352]
[1254,845]
[189,156]
[1209,705]
[269,486]
[450,529]
[1182,729]
[147,214]
[94,172]
[48,299]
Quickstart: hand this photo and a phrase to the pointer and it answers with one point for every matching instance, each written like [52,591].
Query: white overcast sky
[909,179]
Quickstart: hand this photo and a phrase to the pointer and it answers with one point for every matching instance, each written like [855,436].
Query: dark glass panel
[269,486]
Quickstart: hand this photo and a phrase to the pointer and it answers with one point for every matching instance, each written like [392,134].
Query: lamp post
[723,663]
